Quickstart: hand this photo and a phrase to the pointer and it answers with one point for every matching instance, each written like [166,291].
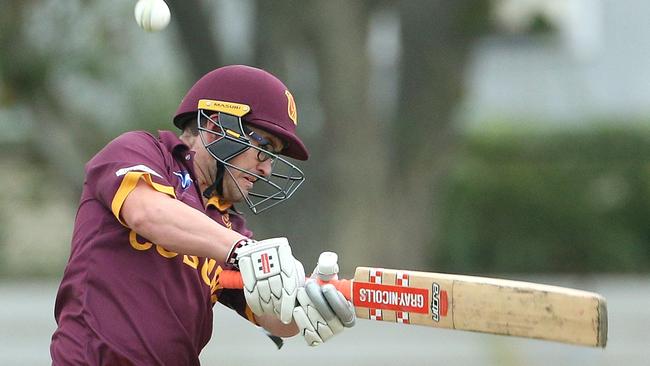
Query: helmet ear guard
[230,137]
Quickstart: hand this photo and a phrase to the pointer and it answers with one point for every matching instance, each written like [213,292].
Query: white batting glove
[323,311]
[271,277]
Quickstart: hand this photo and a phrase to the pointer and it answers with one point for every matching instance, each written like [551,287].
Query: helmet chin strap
[217,185]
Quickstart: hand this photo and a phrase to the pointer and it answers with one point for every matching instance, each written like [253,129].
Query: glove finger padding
[271,277]
[343,309]
[315,294]
[327,269]
[315,318]
[251,292]
[301,273]
[289,276]
[306,328]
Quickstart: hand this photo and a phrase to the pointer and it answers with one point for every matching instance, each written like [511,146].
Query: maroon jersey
[124,300]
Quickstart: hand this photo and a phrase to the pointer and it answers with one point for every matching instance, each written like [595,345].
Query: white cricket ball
[152,15]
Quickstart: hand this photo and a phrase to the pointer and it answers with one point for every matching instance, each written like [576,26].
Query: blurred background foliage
[413,163]
[530,201]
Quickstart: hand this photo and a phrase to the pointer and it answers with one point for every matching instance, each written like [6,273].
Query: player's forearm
[175,226]
[276,327]
[181,229]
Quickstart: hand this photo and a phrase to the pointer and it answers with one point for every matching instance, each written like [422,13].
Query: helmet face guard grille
[232,140]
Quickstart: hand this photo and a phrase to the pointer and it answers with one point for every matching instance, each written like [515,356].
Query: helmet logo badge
[291,108]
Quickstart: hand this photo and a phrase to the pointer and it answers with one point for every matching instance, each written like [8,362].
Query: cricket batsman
[159,219]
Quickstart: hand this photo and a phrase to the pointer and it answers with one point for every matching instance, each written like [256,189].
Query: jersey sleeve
[116,170]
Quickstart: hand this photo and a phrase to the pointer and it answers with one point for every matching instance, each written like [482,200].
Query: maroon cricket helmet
[272,107]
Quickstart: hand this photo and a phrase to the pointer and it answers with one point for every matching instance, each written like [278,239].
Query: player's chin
[245,186]
[241,194]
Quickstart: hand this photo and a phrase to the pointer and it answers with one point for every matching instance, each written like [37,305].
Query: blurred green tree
[570,202]
[376,203]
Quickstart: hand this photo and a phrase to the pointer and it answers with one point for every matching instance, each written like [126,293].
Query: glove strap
[232,260]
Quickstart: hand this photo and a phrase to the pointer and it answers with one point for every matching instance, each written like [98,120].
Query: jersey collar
[219,204]
[176,146]
[173,143]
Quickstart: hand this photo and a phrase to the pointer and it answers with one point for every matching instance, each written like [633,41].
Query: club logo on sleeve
[184,178]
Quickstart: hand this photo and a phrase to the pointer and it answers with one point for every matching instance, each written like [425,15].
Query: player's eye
[265,150]
[265,153]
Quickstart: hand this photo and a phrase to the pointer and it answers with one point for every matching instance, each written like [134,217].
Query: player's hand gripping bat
[478,304]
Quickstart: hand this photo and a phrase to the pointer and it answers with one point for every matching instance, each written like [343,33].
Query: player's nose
[265,167]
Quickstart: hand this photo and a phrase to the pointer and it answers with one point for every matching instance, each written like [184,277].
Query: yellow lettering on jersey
[218,273]
[225,218]
[133,240]
[213,290]
[215,285]
[206,269]
[215,279]
[165,253]
[191,260]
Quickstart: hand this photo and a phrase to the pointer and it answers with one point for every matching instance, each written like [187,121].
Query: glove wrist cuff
[231,259]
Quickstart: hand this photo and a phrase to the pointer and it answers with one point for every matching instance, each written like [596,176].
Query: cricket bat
[477,304]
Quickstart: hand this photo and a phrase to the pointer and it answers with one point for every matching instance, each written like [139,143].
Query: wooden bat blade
[481,304]
[477,304]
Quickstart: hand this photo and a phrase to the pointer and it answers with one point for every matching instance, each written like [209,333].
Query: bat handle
[230,279]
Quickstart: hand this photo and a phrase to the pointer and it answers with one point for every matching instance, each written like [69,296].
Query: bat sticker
[389,297]
[439,302]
